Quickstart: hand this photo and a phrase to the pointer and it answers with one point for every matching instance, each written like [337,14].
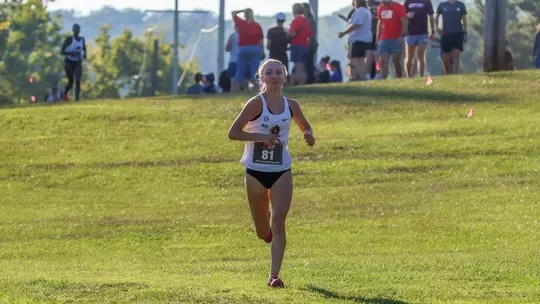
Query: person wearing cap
[277,41]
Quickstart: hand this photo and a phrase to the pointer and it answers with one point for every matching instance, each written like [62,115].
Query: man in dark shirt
[454,32]
[277,41]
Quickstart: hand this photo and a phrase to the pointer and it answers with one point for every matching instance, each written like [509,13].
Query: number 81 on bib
[262,154]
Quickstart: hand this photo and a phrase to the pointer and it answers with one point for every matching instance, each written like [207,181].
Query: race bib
[387,14]
[264,154]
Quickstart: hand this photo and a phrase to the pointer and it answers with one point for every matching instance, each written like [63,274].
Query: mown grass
[402,200]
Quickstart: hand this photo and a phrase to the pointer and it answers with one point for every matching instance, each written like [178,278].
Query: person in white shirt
[361,37]
[264,125]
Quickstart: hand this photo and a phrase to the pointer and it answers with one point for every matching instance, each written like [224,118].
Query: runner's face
[387,2]
[76,30]
[273,76]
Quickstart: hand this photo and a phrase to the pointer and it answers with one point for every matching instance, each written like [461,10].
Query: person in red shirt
[300,35]
[391,31]
[251,43]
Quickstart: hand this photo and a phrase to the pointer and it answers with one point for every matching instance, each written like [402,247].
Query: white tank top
[257,155]
[234,48]
[75,46]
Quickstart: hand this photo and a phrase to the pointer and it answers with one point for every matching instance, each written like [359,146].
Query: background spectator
[251,42]
[453,33]
[277,41]
[233,48]
[392,28]
[301,34]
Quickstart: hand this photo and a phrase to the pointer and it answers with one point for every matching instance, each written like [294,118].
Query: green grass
[402,200]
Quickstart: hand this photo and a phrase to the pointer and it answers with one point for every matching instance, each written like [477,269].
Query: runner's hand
[271,139]
[309,139]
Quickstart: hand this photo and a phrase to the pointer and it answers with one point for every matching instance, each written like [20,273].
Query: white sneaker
[368,76]
[377,76]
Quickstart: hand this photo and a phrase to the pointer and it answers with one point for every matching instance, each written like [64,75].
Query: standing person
[267,121]
[372,56]
[454,32]
[74,50]
[391,31]
[418,12]
[251,44]
[313,43]
[536,48]
[233,48]
[277,41]
[301,35]
[360,38]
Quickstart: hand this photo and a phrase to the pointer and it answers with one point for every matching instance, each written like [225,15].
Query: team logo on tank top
[270,155]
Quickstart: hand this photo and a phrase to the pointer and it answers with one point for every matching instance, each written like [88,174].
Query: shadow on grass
[369,94]
[333,295]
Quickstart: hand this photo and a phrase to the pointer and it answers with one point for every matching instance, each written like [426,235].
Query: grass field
[402,200]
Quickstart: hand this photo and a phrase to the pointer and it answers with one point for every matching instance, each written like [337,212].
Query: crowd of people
[378,32]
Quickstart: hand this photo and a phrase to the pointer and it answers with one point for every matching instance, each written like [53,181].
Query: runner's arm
[302,122]
[249,112]
[464,19]
[84,48]
[432,23]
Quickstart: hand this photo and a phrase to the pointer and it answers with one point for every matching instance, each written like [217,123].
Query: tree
[30,44]
[101,74]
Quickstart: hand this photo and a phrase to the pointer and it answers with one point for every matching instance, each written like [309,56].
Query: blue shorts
[299,54]
[392,46]
[231,70]
[537,62]
[416,40]
[249,59]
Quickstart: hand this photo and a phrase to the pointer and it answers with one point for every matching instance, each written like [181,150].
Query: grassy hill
[402,200]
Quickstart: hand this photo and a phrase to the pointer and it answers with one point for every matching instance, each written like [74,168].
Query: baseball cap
[281,17]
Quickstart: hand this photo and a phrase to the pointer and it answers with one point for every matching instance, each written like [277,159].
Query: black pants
[73,73]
